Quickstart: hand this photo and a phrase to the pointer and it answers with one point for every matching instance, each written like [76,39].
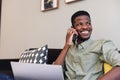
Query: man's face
[83,26]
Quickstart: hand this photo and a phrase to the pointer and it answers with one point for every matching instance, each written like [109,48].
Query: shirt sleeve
[110,53]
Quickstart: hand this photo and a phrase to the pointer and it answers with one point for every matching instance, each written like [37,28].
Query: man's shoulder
[102,41]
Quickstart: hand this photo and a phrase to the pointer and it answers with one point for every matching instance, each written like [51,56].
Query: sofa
[5,66]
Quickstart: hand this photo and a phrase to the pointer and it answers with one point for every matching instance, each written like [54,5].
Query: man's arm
[61,58]
[113,74]
[69,36]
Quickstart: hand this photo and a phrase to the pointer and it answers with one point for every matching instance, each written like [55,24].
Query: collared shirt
[85,61]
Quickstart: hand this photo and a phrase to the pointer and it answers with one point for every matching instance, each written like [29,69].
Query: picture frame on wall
[70,1]
[49,5]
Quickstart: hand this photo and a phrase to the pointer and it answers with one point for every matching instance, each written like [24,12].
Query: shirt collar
[84,44]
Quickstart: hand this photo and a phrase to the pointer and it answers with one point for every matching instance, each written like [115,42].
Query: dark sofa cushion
[52,55]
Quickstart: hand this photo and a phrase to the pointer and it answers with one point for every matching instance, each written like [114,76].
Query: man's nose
[84,26]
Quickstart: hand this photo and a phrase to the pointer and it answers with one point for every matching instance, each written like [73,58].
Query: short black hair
[78,13]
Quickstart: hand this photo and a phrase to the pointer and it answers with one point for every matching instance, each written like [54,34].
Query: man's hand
[69,35]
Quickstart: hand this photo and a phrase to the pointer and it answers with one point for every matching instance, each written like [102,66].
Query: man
[83,58]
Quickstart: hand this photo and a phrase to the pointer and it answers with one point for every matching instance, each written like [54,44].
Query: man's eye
[79,24]
[88,23]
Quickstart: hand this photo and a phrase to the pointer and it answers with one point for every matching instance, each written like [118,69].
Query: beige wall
[24,25]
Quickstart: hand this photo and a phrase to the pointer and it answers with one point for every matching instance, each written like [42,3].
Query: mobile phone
[74,38]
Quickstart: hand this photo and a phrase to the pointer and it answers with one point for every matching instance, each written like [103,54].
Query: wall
[24,25]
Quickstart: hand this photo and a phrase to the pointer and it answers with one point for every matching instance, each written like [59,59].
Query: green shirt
[85,61]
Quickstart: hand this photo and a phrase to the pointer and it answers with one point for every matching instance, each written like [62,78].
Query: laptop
[31,71]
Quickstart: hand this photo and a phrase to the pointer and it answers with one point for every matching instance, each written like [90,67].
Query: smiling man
[82,58]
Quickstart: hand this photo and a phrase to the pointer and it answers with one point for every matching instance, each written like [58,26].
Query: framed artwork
[70,1]
[49,5]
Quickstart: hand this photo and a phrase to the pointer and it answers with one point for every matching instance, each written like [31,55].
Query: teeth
[85,32]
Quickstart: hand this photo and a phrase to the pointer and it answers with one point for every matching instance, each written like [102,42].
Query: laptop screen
[31,71]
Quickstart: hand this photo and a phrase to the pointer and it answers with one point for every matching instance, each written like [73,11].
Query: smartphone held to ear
[74,38]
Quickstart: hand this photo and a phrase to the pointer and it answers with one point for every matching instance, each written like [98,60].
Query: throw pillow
[35,55]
